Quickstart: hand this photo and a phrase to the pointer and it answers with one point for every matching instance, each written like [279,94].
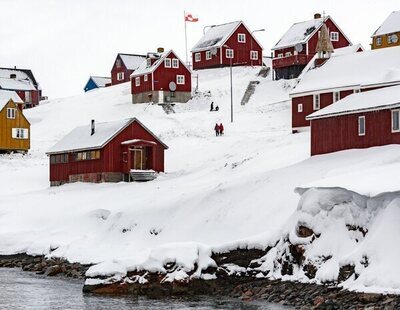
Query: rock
[367,298]
[345,272]
[53,270]
[304,232]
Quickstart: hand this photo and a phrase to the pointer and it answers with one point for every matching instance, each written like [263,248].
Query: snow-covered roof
[21,74]
[299,33]
[6,96]
[14,84]
[390,25]
[379,99]
[101,81]
[216,36]
[368,68]
[80,138]
[131,61]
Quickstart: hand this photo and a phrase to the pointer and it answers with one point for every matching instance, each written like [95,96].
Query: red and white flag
[190,18]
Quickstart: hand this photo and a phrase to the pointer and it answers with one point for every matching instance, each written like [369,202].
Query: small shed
[360,120]
[122,150]
[97,82]
[124,65]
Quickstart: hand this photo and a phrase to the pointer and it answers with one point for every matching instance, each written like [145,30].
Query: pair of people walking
[219,129]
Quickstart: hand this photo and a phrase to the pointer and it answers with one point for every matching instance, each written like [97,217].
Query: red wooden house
[298,46]
[340,76]
[162,78]
[24,83]
[124,66]
[116,151]
[226,43]
[358,121]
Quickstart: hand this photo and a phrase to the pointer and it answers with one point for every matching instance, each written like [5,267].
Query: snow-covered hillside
[217,192]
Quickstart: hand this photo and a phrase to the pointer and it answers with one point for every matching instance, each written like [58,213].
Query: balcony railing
[291,61]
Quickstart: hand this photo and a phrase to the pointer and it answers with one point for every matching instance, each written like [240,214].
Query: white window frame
[316,101]
[398,119]
[167,63]
[253,55]
[11,113]
[241,38]
[300,108]
[197,57]
[120,76]
[334,36]
[360,133]
[378,41]
[175,63]
[20,133]
[280,55]
[145,78]
[180,79]
[288,54]
[137,81]
[229,53]
[208,55]
[336,96]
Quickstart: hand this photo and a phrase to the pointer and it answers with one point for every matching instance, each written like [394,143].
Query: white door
[161,96]
[28,97]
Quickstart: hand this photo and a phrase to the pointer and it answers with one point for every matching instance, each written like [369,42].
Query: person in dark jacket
[221,129]
[216,128]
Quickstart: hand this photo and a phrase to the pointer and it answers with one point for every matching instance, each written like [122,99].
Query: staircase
[251,88]
[264,72]
[168,108]
[143,175]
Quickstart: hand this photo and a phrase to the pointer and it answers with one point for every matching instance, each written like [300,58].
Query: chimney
[93,128]
[317,15]
[160,50]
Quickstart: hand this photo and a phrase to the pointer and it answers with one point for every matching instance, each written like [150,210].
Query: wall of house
[35,97]
[241,53]
[385,41]
[341,133]
[115,70]
[144,86]
[111,157]
[7,142]
[90,85]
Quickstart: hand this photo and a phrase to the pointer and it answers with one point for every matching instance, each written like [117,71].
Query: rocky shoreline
[298,295]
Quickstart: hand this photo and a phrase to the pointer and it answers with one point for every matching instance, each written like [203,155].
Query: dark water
[21,290]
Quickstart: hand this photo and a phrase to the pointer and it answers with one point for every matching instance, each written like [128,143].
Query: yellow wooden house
[14,127]
[388,34]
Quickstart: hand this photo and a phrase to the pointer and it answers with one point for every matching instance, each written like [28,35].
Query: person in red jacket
[221,129]
[216,128]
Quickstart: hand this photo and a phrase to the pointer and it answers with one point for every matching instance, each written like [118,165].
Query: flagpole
[184,18]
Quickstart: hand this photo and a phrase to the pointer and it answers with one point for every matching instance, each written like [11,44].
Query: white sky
[66,41]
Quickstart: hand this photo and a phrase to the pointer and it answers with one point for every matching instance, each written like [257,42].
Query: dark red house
[359,121]
[161,79]
[226,43]
[122,150]
[298,46]
[124,66]
[341,75]
[24,83]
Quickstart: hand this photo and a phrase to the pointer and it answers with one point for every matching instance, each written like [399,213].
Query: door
[137,160]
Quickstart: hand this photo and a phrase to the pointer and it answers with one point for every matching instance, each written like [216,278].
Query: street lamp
[230,67]
[251,42]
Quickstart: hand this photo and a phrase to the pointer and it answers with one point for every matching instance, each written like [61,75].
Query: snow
[353,70]
[20,75]
[299,33]
[384,98]
[216,36]
[137,141]
[6,96]
[144,69]
[132,62]
[217,193]
[101,81]
[14,84]
[390,25]
[81,138]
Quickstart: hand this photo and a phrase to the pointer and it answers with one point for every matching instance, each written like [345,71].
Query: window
[392,38]
[208,55]
[395,120]
[254,55]
[137,81]
[241,37]
[180,79]
[20,133]
[356,91]
[167,62]
[145,78]
[118,63]
[89,155]
[229,53]
[316,101]
[197,57]
[288,54]
[361,125]
[336,96]
[120,76]
[175,63]
[378,41]
[300,108]
[11,113]
[334,36]
[280,55]
[59,159]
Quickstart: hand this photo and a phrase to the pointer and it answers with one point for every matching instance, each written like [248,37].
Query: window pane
[395,120]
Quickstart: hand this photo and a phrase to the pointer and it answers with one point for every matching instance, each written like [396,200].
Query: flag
[190,18]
